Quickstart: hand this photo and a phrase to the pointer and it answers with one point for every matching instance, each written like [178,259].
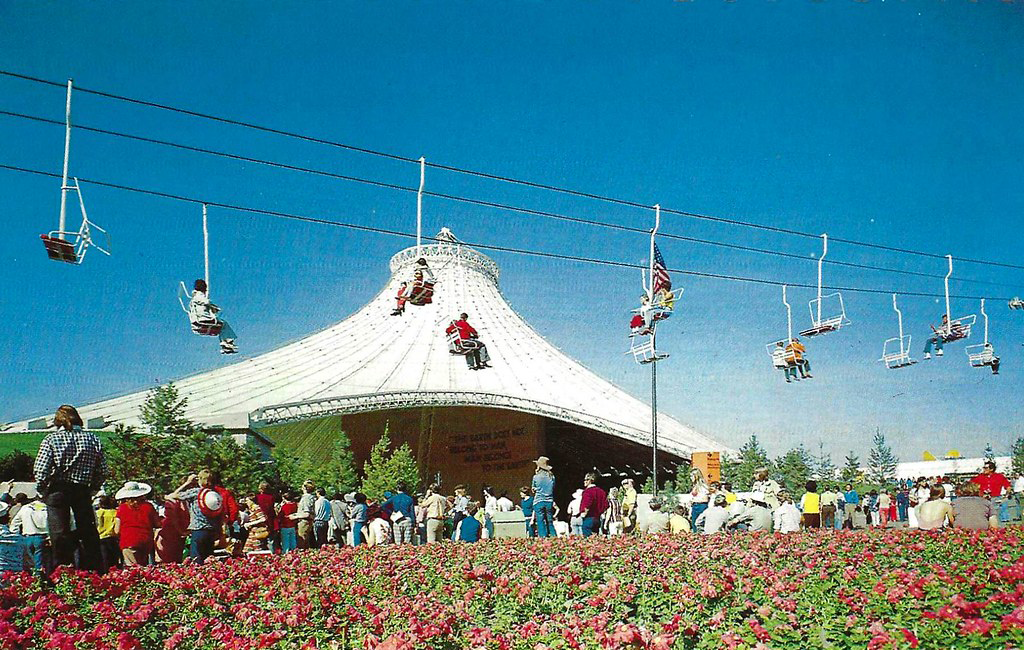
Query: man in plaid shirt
[69,467]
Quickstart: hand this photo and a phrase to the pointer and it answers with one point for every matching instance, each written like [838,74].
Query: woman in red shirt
[136,523]
[289,539]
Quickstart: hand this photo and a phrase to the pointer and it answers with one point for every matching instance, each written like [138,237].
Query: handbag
[397,516]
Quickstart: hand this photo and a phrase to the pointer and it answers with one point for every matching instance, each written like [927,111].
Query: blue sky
[889,122]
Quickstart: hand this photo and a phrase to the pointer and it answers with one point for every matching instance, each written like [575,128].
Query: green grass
[29,442]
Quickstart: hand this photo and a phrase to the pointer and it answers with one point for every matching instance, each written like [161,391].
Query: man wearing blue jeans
[544,498]
[592,505]
[202,527]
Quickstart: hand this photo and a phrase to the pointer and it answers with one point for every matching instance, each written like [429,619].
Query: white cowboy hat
[4,508]
[543,463]
[132,489]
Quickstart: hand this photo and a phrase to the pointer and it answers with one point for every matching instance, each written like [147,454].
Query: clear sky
[890,122]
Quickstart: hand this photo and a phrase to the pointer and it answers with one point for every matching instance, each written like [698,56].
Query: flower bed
[902,589]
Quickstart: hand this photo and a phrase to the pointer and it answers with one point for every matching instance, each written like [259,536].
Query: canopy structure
[372,361]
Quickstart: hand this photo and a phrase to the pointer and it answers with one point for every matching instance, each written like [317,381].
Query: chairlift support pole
[949,315]
[67,153]
[654,351]
[899,317]
[821,261]
[419,206]
[789,316]
[206,252]
[985,316]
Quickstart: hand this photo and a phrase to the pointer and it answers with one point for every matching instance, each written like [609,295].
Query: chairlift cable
[492,247]
[505,179]
[490,204]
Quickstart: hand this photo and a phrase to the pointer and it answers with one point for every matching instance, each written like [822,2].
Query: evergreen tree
[851,470]
[16,466]
[385,469]
[741,471]
[163,412]
[793,469]
[990,454]
[824,468]
[1017,453]
[881,461]
[336,474]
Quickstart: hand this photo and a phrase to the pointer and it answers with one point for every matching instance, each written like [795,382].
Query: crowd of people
[68,523]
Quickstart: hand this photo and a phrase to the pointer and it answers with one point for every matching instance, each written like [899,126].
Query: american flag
[661,279]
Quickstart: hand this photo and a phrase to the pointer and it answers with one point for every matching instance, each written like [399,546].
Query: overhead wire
[480,202]
[480,245]
[500,178]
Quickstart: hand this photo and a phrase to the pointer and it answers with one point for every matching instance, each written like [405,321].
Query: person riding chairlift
[940,337]
[422,291]
[202,312]
[795,355]
[401,298]
[469,343]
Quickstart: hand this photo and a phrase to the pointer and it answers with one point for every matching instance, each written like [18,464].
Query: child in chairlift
[203,312]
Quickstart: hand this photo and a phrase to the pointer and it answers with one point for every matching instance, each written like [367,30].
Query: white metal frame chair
[831,321]
[892,357]
[202,325]
[71,246]
[642,348]
[983,354]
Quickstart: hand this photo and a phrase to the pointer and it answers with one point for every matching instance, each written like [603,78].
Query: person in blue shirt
[13,551]
[360,515]
[526,505]
[402,503]
[469,527]
[852,500]
[544,498]
[902,503]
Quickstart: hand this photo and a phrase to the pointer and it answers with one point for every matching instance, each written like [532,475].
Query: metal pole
[650,277]
[986,319]
[67,153]
[899,316]
[206,251]
[789,316]
[949,316]
[419,206]
[821,260]
[654,416]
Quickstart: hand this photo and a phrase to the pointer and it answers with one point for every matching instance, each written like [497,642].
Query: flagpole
[654,362]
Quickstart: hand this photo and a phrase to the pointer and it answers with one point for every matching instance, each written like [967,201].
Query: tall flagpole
[654,353]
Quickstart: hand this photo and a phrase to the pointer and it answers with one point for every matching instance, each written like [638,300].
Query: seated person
[401,298]
[637,326]
[945,333]
[795,354]
[990,359]
[203,313]
[470,344]
[783,360]
[665,299]
[422,292]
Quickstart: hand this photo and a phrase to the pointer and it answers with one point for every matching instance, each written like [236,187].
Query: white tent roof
[372,361]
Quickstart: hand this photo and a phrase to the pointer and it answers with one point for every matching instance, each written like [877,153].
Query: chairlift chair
[828,312]
[642,348]
[455,342]
[203,324]
[70,246]
[1016,303]
[782,358]
[956,329]
[896,351]
[982,354]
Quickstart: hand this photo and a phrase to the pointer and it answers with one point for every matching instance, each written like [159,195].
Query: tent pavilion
[373,370]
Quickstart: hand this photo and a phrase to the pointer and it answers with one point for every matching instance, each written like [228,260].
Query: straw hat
[133,489]
[543,463]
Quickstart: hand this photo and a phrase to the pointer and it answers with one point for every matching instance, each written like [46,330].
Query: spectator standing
[827,502]
[972,511]
[305,515]
[526,505]
[360,516]
[810,506]
[933,513]
[287,523]
[69,467]
[628,505]
[170,539]
[31,523]
[321,518]
[994,485]
[872,508]
[851,499]
[505,504]
[206,512]
[257,528]
[543,486]
[902,504]
[436,507]
[13,554]
[136,524]
[339,522]
[884,504]
[768,487]
[460,506]
[403,515]
[106,519]
[613,515]
[657,522]
[593,504]
[574,508]
[700,496]
[489,510]
[265,501]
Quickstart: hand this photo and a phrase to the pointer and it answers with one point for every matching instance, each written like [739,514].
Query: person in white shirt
[656,522]
[787,515]
[574,509]
[378,530]
[202,312]
[505,504]
[30,522]
[713,519]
